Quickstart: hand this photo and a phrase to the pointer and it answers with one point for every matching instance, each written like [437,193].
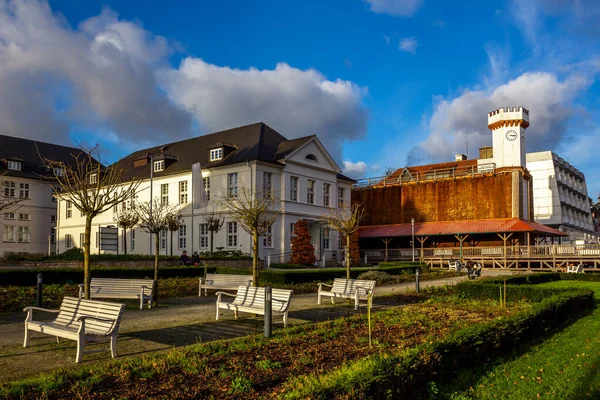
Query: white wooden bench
[575,269]
[251,299]
[223,282]
[113,288]
[80,320]
[455,265]
[346,289]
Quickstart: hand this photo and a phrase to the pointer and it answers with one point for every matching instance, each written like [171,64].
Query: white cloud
[354,170]
[397,8]
[387,39]
[292,101]
[454,122]
[408,44]
[98,77]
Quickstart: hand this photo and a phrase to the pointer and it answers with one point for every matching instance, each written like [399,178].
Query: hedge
[529,279]
[406,374]
[291,266]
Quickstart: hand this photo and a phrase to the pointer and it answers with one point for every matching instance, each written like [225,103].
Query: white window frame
[68,241]
[294,188]
[183,192]
[81,239]
[24,217]
[53,219]
[326,238]
[310,191]
[14,165]
[68,209]
[341,194]
[206,182]
[9,188]
[9,215]
[182,237]
[267,184]
[132,240]
[232,238]
[24,190]
[292,231]
[326,194]
[268,238]
[59,171]
[159,165]
[9,234]
[164,193]
[232,184]
[52,235]
[24,234]
[216,154]
[203,229]
[163,240]
[93,179]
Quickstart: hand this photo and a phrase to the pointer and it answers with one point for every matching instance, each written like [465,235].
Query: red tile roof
[480,226]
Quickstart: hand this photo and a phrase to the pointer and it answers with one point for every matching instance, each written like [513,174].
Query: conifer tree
[303,251]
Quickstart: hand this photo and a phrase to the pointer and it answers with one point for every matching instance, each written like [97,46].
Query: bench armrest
[40,309]
[324,284]
[225,293]
[84,317]
[281,301]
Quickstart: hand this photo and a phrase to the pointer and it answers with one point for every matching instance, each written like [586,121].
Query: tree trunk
[157,251]
[171,243]
[255,257]
[87,279]
[125,241]
[347,256]
[211,242]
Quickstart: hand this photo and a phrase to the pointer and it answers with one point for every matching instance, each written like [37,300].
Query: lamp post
[412,223]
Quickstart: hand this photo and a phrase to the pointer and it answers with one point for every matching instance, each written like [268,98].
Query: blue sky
[383,83]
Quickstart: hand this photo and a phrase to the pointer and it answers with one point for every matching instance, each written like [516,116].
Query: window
[97,239]
[23,234]
[23,217]
[311,157]
[326,195]
[267,184]
[68,241]
[81,240]
[59,171]
[24,190]
[53,198]
[52,235]
[340,241]
[204,236]
[9,189]
[53,218]
[164,194]
[232,188]
[183,192]
[9,215]
[206,182]
[326,238]
[132,241]
[216,154]
[69,209]
[14,165]
[159,166]
[232,234]
[163,240]
[9,233]
[292,230]
[341,193]
[293,188]
[93,178]
[182,237]
[310,192]
[268,237]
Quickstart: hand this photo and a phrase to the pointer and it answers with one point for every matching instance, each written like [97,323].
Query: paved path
[176,322]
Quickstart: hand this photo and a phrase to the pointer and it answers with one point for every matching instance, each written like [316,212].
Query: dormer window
[93,178]
[159,166]
[59,171]
[311,157]
[14,165]
[216,154]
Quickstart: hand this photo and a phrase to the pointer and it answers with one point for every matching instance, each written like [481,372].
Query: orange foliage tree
[303,251]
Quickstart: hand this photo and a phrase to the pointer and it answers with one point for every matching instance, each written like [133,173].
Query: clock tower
[508,127]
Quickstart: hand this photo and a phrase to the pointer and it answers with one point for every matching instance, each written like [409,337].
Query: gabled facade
[300,173]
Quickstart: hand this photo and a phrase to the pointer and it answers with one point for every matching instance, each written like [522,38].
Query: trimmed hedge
[406,374]
[529,279]
[291,266]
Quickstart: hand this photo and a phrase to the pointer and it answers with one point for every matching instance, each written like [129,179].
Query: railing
[279,258]
[420,176]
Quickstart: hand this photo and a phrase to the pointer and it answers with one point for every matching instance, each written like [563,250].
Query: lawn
[564,366]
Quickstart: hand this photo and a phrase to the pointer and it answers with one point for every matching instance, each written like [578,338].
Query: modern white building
[560,196]
[29,225]
[300,173]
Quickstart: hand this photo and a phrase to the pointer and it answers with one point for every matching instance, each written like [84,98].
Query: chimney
[460,157]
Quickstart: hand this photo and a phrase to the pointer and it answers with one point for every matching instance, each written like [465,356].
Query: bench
[251,299]
[223,281]
[346,289]
[575,269]
[455,265]
[112,288]
[80,320]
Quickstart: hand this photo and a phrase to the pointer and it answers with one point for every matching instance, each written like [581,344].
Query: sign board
[109,238]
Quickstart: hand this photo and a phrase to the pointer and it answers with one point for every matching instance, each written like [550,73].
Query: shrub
[529,279]
[380,277]
[302,250]
[290,266]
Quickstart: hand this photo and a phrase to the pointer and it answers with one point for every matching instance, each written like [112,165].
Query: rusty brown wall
[480,197]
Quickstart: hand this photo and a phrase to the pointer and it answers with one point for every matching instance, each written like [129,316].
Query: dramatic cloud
[464,119]
[292,101]
[408,45]
[101,77]
[354,170]
[397,8]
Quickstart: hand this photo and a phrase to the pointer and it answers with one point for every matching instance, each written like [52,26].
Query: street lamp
[412,223]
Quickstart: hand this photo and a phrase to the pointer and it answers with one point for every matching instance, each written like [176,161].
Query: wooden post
[528,250]
[504,238]
[422,241]
[386,241]
[461,239]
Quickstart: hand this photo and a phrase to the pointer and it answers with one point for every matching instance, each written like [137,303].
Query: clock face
[511,135]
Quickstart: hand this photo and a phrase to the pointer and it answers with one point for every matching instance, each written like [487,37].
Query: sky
[382,83]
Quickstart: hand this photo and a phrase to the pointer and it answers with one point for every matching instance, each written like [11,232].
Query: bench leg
[57,339]
[113,346]
[217,312]
[80,343]
[285,319]
[141,302]
[319,299]
[26,341]
[235,314]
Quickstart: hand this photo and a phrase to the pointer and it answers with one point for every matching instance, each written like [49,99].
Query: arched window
[311,157]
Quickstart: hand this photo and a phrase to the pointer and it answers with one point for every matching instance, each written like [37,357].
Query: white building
[300,172]
[560,195]
[28,226]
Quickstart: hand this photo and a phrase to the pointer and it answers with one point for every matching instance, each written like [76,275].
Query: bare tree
[8,194]
[255,213]
[215,223]
[154,218]
[346,221]
[126,219]
[174,221]
[93,189]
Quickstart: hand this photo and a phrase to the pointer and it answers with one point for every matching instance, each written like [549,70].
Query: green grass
[564,366]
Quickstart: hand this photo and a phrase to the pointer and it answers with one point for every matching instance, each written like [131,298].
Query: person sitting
[184,259]
[196,259]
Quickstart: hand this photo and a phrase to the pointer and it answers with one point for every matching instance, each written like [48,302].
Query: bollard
[268,311]
[417,281]
[38,295]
